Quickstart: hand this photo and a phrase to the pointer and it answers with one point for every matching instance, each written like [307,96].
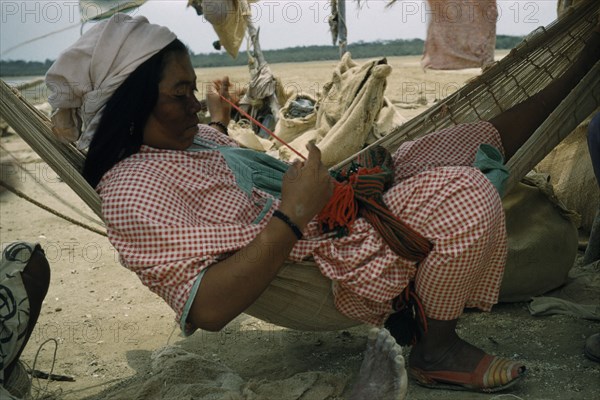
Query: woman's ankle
[457,355]
[432,353]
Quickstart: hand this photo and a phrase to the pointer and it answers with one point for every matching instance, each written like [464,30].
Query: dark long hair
[120,131]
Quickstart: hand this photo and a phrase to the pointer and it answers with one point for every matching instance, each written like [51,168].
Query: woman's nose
[195,105]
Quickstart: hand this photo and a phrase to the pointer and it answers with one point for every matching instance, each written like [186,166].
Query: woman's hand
[219,109]
[307,187]
[230,286]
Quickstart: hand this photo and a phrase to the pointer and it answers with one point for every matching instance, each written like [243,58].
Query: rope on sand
[20,382]
[44,393]
[50,210]
[49,190]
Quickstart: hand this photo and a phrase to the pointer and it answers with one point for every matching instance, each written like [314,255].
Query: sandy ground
[107,325]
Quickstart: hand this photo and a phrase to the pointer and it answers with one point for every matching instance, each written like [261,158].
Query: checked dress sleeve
[171,215]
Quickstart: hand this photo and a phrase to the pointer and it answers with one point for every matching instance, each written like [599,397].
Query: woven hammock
[300,297]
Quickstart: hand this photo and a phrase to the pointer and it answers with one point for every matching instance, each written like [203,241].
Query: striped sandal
[492,374]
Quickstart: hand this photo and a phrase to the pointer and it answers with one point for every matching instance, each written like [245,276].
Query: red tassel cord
[341,210]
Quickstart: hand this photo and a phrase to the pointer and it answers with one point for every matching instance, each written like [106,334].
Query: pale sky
[282,23]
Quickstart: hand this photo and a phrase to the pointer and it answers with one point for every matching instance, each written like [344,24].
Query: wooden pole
[342,28]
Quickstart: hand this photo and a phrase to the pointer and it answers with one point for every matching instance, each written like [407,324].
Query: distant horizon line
[223,52]
[360,50]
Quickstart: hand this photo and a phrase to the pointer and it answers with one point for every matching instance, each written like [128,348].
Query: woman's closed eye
[186,95]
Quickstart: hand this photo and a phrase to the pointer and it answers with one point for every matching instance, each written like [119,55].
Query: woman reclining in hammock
[207,225]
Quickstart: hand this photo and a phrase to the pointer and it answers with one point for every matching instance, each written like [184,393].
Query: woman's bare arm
[229,287]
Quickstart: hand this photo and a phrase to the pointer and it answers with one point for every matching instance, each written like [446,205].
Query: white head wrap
[86,75]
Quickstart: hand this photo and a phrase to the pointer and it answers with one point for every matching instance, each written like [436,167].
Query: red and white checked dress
[171,214]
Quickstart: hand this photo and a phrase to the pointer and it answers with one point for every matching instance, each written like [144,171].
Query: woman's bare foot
[382,375]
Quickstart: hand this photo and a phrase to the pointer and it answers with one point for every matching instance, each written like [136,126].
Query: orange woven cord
[341,210]
[402,239]
[361,194]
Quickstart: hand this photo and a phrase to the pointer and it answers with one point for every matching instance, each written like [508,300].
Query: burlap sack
[572,176]
[242,133]
[288,127]
[388,119]
[542,241]
[348,110]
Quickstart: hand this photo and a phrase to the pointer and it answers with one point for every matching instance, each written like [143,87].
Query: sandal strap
[498,372]
[491,372]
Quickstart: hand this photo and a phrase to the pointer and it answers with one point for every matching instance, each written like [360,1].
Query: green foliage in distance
[388,48]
